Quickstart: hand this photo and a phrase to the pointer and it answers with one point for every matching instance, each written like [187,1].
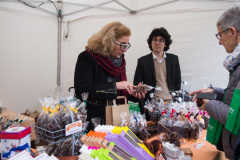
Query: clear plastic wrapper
[123,119]
[181,157]
[186,129]
[54,123]
[161,128]
[43,118]
[142,88]
[178,128]
[66,148]
[77,145]
[132,124]
[85,97]
[143,133]
[96,121]
[2,124]
[51,148]
[195,131]
[66,145]
[84,127]
[171,150]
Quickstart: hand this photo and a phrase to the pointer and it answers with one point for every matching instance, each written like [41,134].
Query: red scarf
[114,71]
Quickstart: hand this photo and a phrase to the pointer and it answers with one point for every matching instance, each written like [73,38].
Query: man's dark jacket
[145,72]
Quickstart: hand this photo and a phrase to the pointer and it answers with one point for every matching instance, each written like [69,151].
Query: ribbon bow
[25,146]
[164,112]
[45,109]
[173,111]
[188,117]
[75,109]
[54,111]
[200,111]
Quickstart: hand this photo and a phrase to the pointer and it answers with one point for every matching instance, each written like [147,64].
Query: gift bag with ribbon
[113,112]
[233,120]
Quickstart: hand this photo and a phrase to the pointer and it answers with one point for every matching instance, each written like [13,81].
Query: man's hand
[203,106]
[139,95]
[203,90]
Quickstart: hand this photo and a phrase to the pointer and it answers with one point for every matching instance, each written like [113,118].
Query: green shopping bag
[214,131]
[233,120]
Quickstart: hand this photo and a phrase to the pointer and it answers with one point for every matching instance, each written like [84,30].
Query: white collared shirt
[159,61]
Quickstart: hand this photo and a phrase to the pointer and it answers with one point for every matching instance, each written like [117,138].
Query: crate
[50,136]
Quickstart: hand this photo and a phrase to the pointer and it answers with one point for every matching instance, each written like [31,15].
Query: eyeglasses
[219,34]
[124,46]
[159,41]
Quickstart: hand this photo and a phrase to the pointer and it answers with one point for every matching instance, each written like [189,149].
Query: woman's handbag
[113,112]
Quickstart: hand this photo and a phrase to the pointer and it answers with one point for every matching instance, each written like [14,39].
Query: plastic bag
[132,124]
[54,124]
[124,121]
[143,133]
[50,149]
[195,131]
[77,145]
[142,88]
[96,121]
[43,118]
[186,129]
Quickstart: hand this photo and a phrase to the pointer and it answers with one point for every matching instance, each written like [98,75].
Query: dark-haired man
[158,68]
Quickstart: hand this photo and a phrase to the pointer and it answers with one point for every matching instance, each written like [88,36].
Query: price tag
[73,128]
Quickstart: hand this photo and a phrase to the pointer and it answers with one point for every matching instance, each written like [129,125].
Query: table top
[206,152]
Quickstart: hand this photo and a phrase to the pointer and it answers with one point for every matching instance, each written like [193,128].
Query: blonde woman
[100,69]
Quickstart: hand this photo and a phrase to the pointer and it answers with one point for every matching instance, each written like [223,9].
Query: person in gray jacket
[228,26]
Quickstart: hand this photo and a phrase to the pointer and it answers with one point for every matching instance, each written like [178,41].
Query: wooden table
[206,152]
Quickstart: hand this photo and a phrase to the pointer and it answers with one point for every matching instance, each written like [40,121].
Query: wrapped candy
[171,150]
[195,131]
[77,145]
[143,133]
[96,121]
[51,148]
[132,124]
[142,88]
[54,123]
[186,129]
[43,118]
[124,120]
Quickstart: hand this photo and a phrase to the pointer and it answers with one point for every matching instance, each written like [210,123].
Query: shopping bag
[214,131]
[113,112]
[233,120]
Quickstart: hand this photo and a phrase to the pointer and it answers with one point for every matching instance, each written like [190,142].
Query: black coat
[92,78]
[145,72]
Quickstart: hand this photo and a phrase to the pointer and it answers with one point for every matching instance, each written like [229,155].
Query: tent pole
[156,5]
[94,6]
[59,52]
[131,11]
[20,1]
[87,8]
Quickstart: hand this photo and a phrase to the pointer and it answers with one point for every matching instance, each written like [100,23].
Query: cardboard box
[15,139]
[27,122]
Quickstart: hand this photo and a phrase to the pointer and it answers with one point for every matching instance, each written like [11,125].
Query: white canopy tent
[35,59]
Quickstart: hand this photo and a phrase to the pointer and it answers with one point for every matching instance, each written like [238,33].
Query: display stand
[56,136]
